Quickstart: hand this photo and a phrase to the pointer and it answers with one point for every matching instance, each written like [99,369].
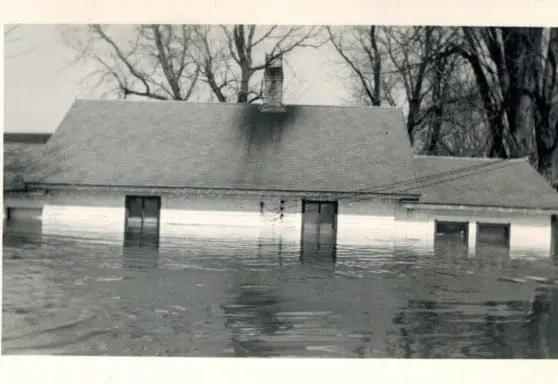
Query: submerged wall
[361,222]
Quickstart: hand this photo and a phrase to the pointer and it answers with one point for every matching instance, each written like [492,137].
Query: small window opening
[493,234]
[451,230]
[262,206]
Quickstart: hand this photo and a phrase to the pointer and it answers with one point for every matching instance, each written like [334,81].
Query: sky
[41,84]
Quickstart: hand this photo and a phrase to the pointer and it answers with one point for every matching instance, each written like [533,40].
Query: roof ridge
[128,101]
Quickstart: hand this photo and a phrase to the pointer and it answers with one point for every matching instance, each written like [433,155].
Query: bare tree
[399,66]
[515,72]
[148,61]
[229,56]
[359,47]
[174,62]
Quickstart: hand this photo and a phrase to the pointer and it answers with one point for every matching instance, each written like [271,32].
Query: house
[336,176]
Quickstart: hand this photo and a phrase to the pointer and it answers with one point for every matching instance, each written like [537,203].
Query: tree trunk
[412,117]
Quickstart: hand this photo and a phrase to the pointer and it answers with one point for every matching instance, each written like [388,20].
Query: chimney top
[273,84]
[274,61]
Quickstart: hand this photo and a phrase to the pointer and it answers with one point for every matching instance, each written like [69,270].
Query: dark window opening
[151,208]
[451,239]
[25,214]
[142,209]
[262,206]
[327,213]
[310,207]
[134,205]
[450,227]
[452,231]
[493,234]
[554,236]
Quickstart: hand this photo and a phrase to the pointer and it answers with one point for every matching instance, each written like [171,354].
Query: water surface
[220,297]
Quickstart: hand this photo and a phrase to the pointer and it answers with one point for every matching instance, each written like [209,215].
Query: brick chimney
[273,84]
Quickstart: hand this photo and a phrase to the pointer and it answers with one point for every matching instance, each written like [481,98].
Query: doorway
[142,220]
[319,230]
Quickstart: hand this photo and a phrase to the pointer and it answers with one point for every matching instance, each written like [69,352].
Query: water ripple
[78,294]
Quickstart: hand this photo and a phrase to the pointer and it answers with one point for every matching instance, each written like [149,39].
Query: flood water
[220,297]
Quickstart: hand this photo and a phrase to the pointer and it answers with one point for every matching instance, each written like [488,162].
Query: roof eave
[232,191]
[481,207]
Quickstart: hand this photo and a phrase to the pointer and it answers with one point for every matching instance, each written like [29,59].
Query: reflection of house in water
[542,324]
[200,170]
[139,254]
[251,315]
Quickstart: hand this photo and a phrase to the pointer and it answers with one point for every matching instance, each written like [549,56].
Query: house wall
[77,213]
[230,216]
[367,222]
[88,214]
[530,234]
[364,222]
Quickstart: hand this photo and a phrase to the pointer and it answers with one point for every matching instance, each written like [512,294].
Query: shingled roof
[483,182]
[230,146]
[22,156]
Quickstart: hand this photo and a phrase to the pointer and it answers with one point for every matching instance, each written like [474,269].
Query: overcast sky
[40,84]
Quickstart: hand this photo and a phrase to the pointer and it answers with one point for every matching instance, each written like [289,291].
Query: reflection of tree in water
[430,330]
[251,315]
[531,336]
[417,326]
[542,324]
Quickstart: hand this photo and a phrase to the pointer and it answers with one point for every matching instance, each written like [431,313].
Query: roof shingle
[232,146]
[483,182]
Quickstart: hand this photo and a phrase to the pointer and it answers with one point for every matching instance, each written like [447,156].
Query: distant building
[22,154]
[320,174]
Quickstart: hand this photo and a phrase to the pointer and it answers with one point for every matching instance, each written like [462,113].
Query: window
[452,230]
[450,227]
